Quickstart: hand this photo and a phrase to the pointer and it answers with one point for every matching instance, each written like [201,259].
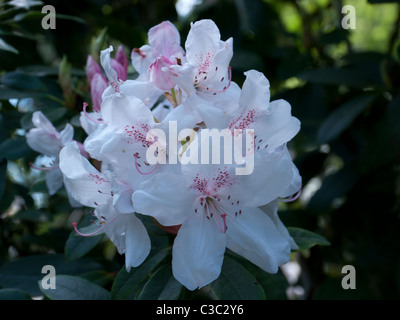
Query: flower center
[209,199]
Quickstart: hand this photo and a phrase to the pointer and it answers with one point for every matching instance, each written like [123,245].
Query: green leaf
[75,288]
[32,215]
[13,294]
[42,71]
[15,148]
[7,47]
[336,76]
[3,176]
[306,239]
[24,273]
[99,277]
[77,246]
[274,285]
[22,81]
[236,283]
[334,186]
[39,15]
[127,282]
[161,286]
[342,117]
[7,93]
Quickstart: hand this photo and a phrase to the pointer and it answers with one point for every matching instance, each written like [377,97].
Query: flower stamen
[137,165]
[292,198]
[43,168]
[85,105]
[94,232]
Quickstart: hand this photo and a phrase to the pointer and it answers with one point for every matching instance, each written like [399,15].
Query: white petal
[40,141]
[213,117]
[120,111]
[254,236]
[84,183]
[54,180]
[142,58]
[105,60]
[183,76]
[198,252]
[164,197]
[296,182]
[271,209]
[130,236]
[40,121]
[44,138]
[202,43]
[255,90]
[145,91]
[270,178]
[67,134]
[165,40]
[277,126]
[88,125]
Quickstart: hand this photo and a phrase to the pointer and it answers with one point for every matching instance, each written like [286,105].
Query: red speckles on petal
[211,186]
[138,51]
[223,179]
[205,61]
[138,133]
[97,179]
[244,120]
[200,184]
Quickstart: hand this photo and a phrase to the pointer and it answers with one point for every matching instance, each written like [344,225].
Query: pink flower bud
[92,68]
[122,59]
[97,87]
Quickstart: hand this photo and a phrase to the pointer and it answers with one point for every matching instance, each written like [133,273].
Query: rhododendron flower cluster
[187,180]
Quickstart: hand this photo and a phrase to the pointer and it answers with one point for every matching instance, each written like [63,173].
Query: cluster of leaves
[347,150]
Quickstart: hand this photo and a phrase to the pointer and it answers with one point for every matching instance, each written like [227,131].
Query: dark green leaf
[336,76]
[24,273]
[342,117]
[126,282]
[13,294]
[161,286]
[3,176]
[334,186]
[32,215]
[42,71]
[23,81]
[39,15]
[77,246]
[99,277]
[236,283]
[15,148]
[274,285]
[10,93]
[7,47]
[75,288]
[306,239]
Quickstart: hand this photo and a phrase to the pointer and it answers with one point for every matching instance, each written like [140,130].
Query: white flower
[208,58]
[216,209]
[45,139]
[93,188]
[213,206]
